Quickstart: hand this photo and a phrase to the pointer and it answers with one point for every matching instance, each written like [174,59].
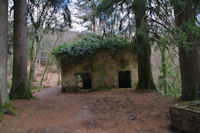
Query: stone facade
[104,68]
[185,120]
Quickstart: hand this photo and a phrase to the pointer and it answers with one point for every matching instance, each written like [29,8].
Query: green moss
[102,78]
[20,93]
[8,108]
[36,88]
[193,105]
[1,112]
[70,89]
[99,67]
[134,85]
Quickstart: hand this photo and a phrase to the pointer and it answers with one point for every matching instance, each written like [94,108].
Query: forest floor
[115,111]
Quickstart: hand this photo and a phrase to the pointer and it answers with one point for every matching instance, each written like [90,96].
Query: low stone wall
[185,120]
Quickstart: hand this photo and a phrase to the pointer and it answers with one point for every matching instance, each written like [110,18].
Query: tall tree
[118,20]
[98,18]
[45,16]
[139,7]
[3,51]
[87,13]
[185,12]
[143,47]
[20,89]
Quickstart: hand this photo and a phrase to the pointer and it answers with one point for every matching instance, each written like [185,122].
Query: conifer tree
[143,46]
[20,89]
[185,12]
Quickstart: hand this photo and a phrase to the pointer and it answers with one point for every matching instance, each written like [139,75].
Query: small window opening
[84,80]
[124,79]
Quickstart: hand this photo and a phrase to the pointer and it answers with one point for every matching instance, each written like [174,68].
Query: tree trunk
[45,70]
[199,71]
[189,73]
[145,78]
[3,51]
[34,56]
[31,72]
[93,17]
[59,76]
[20,89]
[188,57]
[164,68]
[49,61]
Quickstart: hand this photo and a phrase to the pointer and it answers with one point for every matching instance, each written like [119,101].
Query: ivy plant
[89,44]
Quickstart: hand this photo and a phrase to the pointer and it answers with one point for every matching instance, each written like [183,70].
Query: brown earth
[116,111]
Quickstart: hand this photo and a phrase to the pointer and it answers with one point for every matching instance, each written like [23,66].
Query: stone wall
[104,68]
[185,120]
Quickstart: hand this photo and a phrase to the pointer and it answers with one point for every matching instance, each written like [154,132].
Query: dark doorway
[84,80]
[87,82]
[124,79]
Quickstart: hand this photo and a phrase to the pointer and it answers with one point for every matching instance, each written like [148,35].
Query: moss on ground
[8,108]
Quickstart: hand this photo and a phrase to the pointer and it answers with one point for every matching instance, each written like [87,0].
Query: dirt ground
[116,111]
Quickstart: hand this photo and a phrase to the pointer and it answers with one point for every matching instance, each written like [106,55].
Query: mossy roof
[90,44]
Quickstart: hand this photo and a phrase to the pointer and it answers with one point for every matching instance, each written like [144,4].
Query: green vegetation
[8,108]
[89,44]
[169,80]
[171,84]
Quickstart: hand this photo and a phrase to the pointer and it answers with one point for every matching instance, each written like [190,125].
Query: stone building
[105,69]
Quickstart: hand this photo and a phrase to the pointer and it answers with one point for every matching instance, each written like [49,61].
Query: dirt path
[118,111]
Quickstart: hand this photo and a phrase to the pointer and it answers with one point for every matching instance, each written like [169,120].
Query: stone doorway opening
[84,80]
[124,79]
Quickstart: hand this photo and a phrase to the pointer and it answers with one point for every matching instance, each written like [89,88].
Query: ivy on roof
[89,44]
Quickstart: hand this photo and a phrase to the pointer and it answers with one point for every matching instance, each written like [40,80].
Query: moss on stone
[99,67]
[70,89]
[193,105]
[123,63]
